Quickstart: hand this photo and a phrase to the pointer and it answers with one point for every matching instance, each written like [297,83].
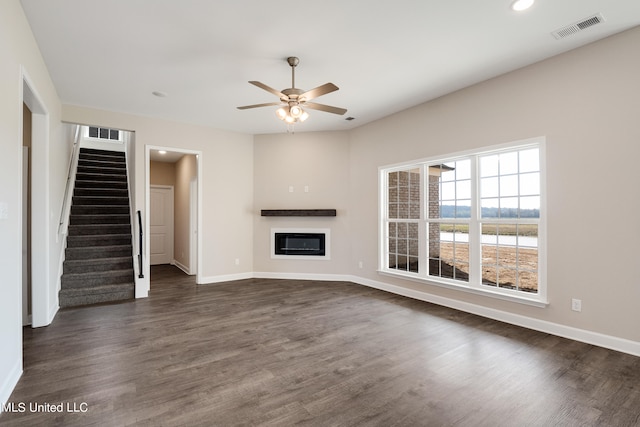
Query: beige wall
[162,173]
[20,59]
[586,104]
[186,170]
[318,160]
[227,183]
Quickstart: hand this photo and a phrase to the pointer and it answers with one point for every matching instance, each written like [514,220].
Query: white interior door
[161,225]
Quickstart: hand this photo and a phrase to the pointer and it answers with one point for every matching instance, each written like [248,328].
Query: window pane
[530,184]
[489,166]
[104,133]
[114,134]
[530,207]
[463,189]
[93,132]
[449,254]
[530,160]
[508,207]
[490,208]
[508,185]
[510,256]
[489,187]
[508,163]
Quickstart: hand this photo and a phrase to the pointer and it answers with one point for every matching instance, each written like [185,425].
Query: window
[469,221]
[103,133]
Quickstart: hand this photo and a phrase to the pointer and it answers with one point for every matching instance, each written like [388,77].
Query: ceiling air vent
[578,26]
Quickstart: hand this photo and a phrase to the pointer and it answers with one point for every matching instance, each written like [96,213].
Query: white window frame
[474,285]
[92,138]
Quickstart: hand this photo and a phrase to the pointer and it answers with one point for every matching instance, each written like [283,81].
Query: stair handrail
[63,224]
[140,235]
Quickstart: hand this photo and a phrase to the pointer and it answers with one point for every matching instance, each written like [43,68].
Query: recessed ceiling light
[162,152]
[159,94]
[520,5]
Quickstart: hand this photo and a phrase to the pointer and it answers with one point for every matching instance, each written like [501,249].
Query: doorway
[42,296]
[178,171]
[26,215]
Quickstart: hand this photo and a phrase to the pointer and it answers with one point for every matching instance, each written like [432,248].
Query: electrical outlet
[576,304]
[291,189]
[306,188]
[4,210]
[360,264]
[237,261]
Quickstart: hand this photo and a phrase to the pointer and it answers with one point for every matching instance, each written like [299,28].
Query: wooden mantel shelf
[298,212]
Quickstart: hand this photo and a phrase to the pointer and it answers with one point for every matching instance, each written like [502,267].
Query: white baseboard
[589,337]
[225,278]
[182,267]
[304,276]
[10,383]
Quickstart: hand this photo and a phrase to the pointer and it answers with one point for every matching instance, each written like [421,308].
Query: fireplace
[309,243]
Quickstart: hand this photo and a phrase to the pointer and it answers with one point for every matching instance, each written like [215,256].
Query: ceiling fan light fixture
[304,116]
[281,113]
[295,111]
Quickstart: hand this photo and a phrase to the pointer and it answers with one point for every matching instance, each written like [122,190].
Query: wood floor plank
[288,352]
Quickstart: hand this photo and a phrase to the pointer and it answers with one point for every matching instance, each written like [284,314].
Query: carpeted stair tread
[96,294]
[122,185]
[102,170]
[100,192]
[99,219]
[99,209]
[98,229]
[97,252]
[99,200]
[96,176]
[97,264]
[110,163]
[88,219]
[96,278]
[92,240]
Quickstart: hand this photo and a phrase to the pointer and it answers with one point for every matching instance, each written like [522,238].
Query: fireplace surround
[300,243]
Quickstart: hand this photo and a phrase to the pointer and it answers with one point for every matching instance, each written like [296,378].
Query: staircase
[98,264]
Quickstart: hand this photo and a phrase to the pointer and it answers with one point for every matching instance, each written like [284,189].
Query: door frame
[197,235]
[44,293]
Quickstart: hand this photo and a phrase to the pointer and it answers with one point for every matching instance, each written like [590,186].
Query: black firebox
[312,244]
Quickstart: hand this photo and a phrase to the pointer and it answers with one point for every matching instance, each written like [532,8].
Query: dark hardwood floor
[310,353]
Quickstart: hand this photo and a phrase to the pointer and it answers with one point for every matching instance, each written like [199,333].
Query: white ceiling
[385,56]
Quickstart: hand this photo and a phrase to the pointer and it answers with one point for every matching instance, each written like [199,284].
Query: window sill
[535,302]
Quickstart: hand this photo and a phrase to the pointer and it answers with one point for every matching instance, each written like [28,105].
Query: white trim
[10,383]
[224,278]
[474,286]
[181,266]
[44,299]
[304,276]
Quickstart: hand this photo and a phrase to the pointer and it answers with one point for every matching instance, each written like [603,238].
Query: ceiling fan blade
[326,108]
[319,91]
[268,104]
[269,89]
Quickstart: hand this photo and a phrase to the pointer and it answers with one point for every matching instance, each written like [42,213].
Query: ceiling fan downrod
[293,61]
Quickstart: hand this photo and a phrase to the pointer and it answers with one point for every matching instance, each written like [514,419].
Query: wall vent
[578,26]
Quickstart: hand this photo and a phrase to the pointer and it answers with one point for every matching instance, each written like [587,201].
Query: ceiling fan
[293,99]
